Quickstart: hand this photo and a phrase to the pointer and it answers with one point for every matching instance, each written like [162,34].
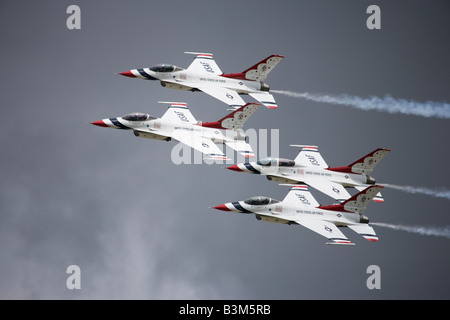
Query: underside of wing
[332,189]
[265,98]
[209,149]
[364,230]
[227,96]
[326,229]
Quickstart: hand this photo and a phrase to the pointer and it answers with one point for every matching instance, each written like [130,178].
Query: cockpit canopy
[260,201]
[138,116]
[165,68]
[267,162]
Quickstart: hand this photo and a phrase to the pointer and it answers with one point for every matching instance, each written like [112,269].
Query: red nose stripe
[222,207]
[100,123]
[234,168]
[128,74]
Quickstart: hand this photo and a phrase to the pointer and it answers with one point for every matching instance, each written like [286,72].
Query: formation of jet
[204,75]
[179,124]
[310,168]
[300,207]
[307,169]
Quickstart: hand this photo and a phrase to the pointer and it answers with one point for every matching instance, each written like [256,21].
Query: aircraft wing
[299,195]
[228,96]
[309,156]
[326,229]
[332,189]
[265,98]
[365,230]
[242,147]
[206,146]
[178,112]
[204,63]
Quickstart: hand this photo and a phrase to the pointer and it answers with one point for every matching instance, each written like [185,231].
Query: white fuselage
[160,129]
[280,212]
[183,79]
[301,174]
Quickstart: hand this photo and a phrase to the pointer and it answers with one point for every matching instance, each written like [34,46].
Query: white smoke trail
[426,231]
[386,104]
[443,193]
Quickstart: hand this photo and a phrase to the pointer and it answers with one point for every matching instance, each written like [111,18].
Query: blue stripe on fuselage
[118,124]
[251,168]
[145,74]
[240,208]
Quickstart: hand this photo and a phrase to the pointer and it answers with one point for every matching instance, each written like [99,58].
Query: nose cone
[234,168]
[128,74]
[100,123]
[222,207]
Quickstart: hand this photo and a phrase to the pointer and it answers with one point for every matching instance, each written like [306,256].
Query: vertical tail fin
[358,202]
[234,120]
[260,70]
[364,165]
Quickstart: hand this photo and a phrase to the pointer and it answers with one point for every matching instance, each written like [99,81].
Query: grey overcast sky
[140,227]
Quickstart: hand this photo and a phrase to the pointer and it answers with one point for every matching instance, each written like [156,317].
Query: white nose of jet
[142,73]
[110,123]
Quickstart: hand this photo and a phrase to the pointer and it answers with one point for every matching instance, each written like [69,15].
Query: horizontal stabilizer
[364,230]
[242,147]
[265,98]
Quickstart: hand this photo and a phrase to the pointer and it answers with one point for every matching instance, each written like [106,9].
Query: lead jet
[203,74]
[310,168]
[179,124]
[300,207]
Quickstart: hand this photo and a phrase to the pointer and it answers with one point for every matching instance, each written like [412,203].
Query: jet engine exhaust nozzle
[370,180]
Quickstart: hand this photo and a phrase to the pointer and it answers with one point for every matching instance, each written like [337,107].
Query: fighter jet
[310,168]
[179,124]
[300,207]
[203,74]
